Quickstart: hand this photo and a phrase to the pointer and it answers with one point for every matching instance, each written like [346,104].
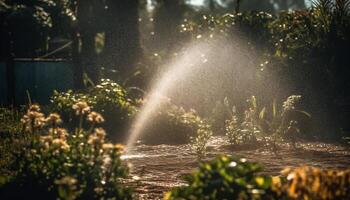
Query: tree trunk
[87,31]
[122,38]
[167,19]
[77,67]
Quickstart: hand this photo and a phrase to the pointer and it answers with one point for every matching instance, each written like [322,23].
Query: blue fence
[39,78]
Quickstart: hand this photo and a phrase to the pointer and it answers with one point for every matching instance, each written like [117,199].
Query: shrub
[233,131]
[107,98]
[224,178]
[10,120]
[172,124]
[57,163]
[288,122]
[233,178]
[312,183]
[10,129]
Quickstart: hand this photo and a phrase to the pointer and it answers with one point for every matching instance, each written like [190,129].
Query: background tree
[122,50]
[261,5]
[168,16]
[88,27]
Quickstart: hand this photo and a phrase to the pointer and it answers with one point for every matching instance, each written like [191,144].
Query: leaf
[262,113]
[226,103]
[260,181]
[274,109]
[254,104]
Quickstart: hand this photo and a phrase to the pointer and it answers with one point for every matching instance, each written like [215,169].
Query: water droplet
[233,164]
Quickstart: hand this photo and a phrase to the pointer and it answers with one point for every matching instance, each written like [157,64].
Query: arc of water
[177,70]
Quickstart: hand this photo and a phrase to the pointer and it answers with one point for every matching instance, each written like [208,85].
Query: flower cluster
[81,108]
[97,138]
[33,119]
[95,117]
[54,152]
[54,119]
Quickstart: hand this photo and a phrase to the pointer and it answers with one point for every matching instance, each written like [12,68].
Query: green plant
[269,126]
[39,21]
[233,131]
[232,178]
[10,120]
[199,142]
[249,129]
[57,163]
[175,125]
[225,178]
[10,135]
[312,183]
[108,98]
[303,50]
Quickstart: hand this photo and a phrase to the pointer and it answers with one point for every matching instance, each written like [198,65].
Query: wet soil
[155,169]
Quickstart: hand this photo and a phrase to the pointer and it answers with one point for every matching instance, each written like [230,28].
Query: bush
[224,178]
[10,129]
[172,124]
[107,98]
[57,163]
[260,123]
[233,178]
[313,183]
[10,120]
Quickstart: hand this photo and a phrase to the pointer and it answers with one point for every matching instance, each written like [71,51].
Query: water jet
[202,73]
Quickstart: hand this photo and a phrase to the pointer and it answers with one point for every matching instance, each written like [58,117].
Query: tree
[88,28]
[262,5]
[122,49]
[168,16]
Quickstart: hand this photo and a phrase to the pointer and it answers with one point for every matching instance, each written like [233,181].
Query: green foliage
[10,129]
[10,120]
[173,124]
[108,98]
[252,24]
[38,19]
[260,123]
[233,131]
[225,178]
[200,141]
[312,183]
[56,163]
[232,178]
[303,50]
